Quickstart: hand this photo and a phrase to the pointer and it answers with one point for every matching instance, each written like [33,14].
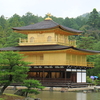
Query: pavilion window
[49,38]
[32,39]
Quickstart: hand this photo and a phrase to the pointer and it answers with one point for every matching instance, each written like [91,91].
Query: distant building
[55,59]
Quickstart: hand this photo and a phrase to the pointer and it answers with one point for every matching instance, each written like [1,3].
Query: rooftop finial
[48,18]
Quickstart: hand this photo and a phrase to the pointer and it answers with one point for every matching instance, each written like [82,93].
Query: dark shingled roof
[44,48]
[35,48]
[46,24]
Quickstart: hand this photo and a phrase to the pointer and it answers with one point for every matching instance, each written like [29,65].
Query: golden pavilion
[55,59]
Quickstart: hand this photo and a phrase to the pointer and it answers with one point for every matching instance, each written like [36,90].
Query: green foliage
[12,69]
[29,18]
[70,22]
[97,82]
[88,79]
[86,42]
[32,86]
[96,70]
[97,46]
[94,19]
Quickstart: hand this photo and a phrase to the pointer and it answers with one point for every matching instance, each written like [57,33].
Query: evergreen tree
[94,18]
[86,43]
[3,22]
[32,86]
[70,22]
[12,69]
[29,18]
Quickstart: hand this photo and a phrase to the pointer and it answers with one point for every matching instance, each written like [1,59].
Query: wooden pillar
[49,75]
[71,75]
[43,76]
[65,75]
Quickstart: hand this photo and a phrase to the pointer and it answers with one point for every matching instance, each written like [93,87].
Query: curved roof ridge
[46,24]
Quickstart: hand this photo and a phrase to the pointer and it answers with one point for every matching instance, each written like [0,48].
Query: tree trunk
[26,94]
[4,87]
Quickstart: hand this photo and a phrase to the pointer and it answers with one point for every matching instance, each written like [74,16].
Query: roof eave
[88,51]
[58,26]
[75,31]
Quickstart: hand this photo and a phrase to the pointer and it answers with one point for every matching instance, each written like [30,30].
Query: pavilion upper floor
[46,32]
[51,38]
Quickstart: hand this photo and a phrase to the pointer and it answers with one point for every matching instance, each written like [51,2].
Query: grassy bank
[7,96]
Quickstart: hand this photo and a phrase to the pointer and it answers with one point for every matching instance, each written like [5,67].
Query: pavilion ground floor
[59,75]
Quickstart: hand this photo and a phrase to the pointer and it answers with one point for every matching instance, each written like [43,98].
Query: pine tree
[12,69]
[94,18]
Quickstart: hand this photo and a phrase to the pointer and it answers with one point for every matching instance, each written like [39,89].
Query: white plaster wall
[83,75]
[79,76]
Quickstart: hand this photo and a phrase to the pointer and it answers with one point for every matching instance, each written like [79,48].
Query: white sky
[58,8]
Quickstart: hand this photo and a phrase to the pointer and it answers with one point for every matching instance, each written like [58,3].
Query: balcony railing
[45,42]
[90,64]
[40,62]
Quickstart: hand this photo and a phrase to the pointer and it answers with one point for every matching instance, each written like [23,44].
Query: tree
[94,18]
[3,22]
[97,46]
[80,21]
[15,21]
[12,69]
[29,18]
[96,70]
[32,86]
[86,42]
[70,22]
[90,31]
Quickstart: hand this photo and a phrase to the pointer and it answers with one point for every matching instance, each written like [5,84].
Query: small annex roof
[47,48]
[45,25]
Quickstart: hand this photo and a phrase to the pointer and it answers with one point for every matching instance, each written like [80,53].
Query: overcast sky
[58,8]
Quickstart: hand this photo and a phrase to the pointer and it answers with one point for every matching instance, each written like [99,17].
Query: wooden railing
[87,64]
[90,64]
[45,41]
